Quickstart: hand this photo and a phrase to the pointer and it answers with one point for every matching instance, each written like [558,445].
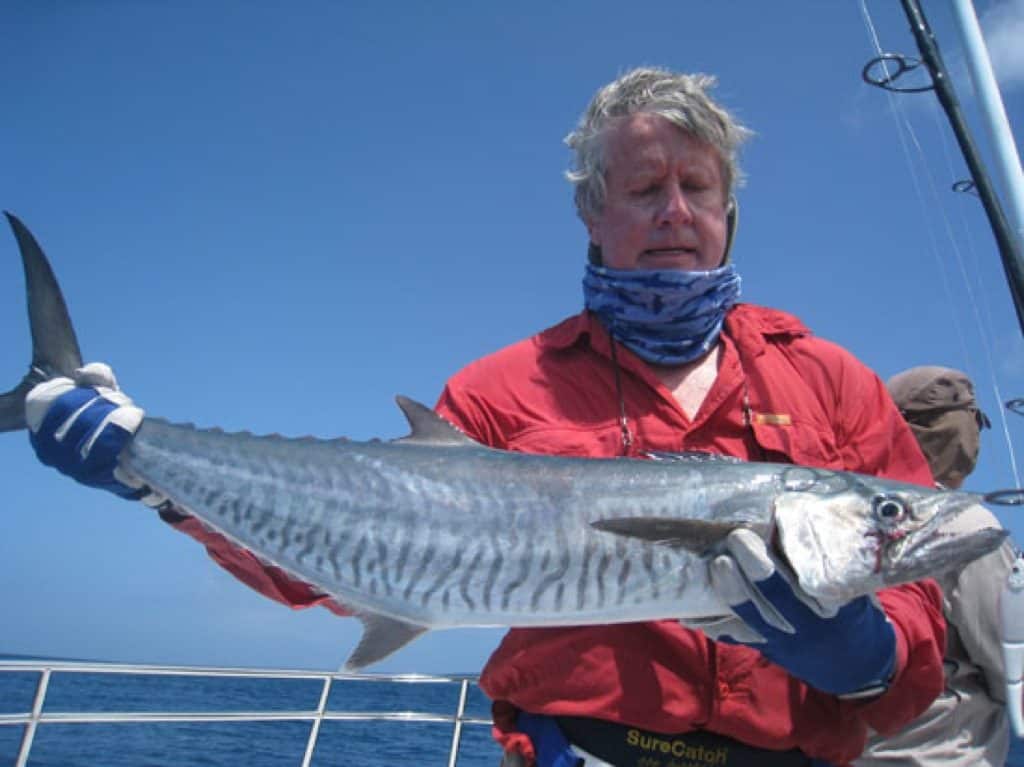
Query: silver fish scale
[442,535]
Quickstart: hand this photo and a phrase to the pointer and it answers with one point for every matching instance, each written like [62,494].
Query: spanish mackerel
[435,530]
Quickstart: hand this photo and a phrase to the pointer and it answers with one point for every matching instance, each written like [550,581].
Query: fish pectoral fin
[695,535]
[428,428]
[381,637]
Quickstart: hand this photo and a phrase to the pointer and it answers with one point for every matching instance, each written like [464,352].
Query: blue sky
[275,217]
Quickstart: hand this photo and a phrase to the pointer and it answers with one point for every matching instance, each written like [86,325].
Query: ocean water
[253,744]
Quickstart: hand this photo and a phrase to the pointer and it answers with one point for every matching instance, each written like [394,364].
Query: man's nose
[676,209]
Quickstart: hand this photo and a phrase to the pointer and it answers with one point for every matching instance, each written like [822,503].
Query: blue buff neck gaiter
[664,316]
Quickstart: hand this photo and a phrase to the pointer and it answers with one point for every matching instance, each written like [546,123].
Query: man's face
[665,203]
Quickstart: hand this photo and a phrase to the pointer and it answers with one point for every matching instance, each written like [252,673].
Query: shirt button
[723,690]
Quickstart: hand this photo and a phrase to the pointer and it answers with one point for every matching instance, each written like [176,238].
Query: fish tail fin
[54,345]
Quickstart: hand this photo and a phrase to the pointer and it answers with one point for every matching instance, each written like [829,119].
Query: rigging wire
[901,127]
[981,310]
[904,130]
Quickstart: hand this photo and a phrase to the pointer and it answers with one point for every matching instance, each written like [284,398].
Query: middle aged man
[664,358]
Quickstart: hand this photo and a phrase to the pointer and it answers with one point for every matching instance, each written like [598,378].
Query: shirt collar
[586,328]
[748,325]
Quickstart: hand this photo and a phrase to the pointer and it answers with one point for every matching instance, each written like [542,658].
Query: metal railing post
[314,730]
[460,711]
[30,727]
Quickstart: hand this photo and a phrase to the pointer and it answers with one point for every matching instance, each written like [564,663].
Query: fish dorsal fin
[428,428]
[381,637]
[692,456]
[695,535]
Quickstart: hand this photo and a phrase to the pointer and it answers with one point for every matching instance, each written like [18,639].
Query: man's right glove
[80,426]
[847,649]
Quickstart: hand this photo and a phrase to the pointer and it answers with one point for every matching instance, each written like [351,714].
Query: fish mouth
[946,542]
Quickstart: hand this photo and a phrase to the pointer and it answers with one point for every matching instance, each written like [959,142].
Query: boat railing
[38,716]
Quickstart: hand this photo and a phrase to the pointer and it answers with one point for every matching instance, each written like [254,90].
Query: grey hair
[681,99]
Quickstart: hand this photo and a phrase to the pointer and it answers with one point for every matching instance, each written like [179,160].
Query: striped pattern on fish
[453,534]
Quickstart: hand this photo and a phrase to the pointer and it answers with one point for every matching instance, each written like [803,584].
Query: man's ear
[594,248]
[593,229]
[732,220]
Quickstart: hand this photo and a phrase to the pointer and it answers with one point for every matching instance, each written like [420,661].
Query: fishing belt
[626,746]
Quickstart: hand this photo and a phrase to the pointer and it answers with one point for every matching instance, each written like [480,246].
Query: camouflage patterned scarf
[664,316]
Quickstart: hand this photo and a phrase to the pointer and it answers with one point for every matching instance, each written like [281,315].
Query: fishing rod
[1009,238]
[1009,242]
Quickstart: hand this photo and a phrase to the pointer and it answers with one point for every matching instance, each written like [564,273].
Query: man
[689,370]
[966,726]
[792,680]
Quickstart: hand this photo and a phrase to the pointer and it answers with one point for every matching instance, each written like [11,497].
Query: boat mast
[1007,160]
[1010,240]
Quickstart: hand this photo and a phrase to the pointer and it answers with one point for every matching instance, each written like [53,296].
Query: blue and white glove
[847,650]
[80,425]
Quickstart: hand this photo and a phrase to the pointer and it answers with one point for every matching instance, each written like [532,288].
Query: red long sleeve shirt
[809,402]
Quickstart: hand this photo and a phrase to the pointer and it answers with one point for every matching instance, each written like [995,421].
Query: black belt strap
[626,746]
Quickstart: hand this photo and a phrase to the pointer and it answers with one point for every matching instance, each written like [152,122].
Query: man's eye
[697,185]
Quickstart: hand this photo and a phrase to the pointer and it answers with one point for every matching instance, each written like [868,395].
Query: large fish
[435,530]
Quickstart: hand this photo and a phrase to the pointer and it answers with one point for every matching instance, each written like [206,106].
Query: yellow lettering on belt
[698,756]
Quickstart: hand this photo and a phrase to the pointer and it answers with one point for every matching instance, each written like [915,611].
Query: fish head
[844,535]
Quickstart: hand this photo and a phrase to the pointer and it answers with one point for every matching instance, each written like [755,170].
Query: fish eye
[889,509]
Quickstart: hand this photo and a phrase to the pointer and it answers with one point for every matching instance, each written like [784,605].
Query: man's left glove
[80,425]
[847,650]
